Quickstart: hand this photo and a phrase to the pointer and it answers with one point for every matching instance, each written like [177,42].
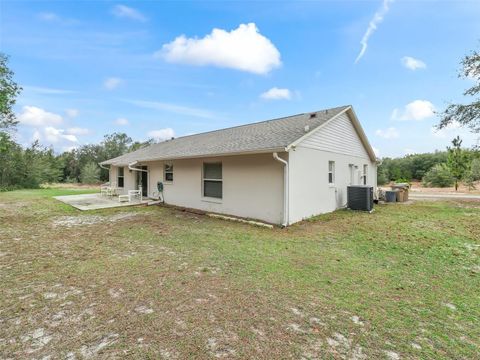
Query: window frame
[206,197]
[120,177]
[165,172]
[331,172]
[365,174]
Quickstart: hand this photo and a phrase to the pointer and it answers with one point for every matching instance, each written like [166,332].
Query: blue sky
[159,69]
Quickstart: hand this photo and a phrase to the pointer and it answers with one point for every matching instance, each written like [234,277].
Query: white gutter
[285,188]
[103,167]
[130,166]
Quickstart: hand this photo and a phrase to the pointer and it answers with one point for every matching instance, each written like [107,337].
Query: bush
[90,173]
[438,176]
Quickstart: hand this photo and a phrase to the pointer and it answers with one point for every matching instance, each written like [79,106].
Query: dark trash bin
[391,196]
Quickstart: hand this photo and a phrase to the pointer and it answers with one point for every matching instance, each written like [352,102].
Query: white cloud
[112,83]
[390,133]
[177,109]
[77,131]
[409,152]
[277,94]
[412,63]
[121,121]
[372,26]
[72,113]
[35,116]
[416,110]
[123,11]
[55,135]
[376,151]
[243,48]
[162,134]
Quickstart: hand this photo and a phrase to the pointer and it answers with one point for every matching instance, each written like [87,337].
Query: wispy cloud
[173,108]
[390,133]
[412,63]
[123,11]
[72,113]
[55,18]
[112,83]
[372,26]
[46,90]
[121,121]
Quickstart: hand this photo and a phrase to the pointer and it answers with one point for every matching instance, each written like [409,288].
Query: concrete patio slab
[95,201]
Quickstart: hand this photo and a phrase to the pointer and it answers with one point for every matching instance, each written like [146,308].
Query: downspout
[285,188]
[130,167]
[103,167]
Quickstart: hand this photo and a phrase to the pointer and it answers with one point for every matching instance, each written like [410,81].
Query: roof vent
[307,128]
[313,115]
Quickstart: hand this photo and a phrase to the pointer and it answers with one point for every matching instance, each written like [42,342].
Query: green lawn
[153,282]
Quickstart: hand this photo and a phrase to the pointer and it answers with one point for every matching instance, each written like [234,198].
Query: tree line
[437,169]
[34,165]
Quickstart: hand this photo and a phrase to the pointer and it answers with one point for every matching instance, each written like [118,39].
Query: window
[168,172]
[120,177]
[212,180]
[331,172]
[365,171]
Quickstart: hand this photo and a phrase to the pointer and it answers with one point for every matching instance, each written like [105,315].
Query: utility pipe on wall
[130,166]
[285,188]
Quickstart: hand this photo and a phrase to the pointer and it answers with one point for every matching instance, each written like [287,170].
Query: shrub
[90,173]
[438,176]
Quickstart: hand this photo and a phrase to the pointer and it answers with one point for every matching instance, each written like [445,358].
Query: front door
[142,180]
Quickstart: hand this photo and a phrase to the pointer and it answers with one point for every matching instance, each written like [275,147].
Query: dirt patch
[71,221]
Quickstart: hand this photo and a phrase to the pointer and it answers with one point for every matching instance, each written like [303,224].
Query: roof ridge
[254,123]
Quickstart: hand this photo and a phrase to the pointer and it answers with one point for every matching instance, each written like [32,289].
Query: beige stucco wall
[252,185]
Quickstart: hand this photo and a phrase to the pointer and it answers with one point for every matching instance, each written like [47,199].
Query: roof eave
[237,153]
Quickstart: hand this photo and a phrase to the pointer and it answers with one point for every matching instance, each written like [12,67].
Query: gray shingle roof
[274,135]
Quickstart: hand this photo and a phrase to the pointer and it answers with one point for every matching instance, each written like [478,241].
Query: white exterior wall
[252,186]
[309,191]
[129,182]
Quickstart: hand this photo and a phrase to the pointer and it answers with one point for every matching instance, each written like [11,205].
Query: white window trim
[211,198]
[331,184]
[123,177]
[165,173]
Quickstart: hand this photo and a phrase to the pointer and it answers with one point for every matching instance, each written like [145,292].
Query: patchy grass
[153,282]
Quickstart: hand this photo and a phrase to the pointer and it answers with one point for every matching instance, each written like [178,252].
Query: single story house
[279,171]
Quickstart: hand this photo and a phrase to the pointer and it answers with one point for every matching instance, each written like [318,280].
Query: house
[279,171]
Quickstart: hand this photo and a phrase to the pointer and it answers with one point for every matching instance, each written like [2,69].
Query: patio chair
[135,194]
[104,189]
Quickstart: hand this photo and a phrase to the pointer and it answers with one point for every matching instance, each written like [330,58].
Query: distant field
[153,282]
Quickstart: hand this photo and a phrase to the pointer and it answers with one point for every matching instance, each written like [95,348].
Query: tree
[475,169]
[9,90]
[438,176]
[457,160]
[90,173]
[466,114]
